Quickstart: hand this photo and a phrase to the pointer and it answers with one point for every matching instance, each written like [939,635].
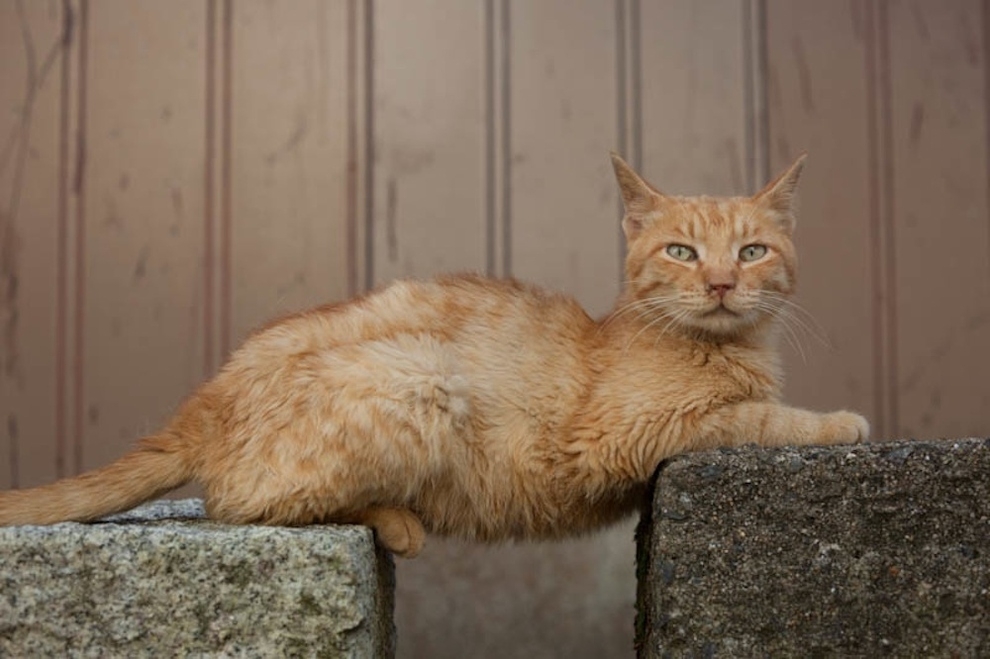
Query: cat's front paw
[844,428]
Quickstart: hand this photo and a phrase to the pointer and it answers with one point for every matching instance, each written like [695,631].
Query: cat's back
[518,334]
[468,312]
[506,308]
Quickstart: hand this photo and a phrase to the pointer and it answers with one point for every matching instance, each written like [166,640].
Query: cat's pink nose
[720,289]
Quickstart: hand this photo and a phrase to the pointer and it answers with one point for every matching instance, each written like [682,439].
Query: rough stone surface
[866,551]
[162,581]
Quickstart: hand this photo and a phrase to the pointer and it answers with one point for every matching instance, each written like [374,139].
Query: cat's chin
[722,323]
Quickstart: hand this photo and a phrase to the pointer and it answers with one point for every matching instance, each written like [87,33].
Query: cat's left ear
[778,195]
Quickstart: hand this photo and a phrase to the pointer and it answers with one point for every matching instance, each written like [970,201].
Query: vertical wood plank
[694,101]
[564,226]
[143,217]
[216,183]
[72,260]
[817,91]
[289,158]
[31,60]
[629,78]
[939,184]
[429,128]
[360,164]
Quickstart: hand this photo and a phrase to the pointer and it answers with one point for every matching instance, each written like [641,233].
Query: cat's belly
[521,511]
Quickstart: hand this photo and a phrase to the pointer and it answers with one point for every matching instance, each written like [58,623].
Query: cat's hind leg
[397,529]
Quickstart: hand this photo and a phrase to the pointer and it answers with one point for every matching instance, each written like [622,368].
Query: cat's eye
[682,252]
[752,252]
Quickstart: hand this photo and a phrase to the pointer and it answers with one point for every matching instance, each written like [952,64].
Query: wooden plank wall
[173,174]
[933,77]
[890,99]
[283,121]
[33,166]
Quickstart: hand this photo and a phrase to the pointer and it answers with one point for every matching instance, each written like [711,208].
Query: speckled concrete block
[162,581]
[866,551]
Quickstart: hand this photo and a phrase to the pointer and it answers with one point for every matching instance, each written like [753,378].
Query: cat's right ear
[639,198]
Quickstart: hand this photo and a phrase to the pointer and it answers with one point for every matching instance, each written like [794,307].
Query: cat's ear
[778,195]
[639,198]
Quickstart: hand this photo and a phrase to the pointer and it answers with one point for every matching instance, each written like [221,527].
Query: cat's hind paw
[398,530]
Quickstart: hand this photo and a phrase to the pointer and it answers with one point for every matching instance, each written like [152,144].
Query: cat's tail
[159,464]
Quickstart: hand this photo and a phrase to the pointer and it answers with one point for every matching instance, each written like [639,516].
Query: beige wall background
[174,173]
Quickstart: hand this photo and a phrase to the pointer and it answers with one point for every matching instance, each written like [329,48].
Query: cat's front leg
[773,424]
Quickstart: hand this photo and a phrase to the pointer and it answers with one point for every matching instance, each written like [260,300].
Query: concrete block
[870,550]
[163,581]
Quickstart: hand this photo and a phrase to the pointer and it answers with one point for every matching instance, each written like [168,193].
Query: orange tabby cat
[489,409]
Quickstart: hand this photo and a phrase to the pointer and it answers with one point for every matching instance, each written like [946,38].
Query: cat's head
[718,266]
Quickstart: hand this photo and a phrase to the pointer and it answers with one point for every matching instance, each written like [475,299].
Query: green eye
[752,252]
[682,252]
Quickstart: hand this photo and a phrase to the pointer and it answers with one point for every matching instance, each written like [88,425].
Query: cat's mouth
[720,310]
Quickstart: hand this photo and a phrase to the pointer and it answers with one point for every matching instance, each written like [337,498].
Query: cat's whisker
[624,309]
[649,304]
[812,326]
[794,342]
[798,309]
[667,313]
[788,301]
[660,318]
[785,320]
[675,320]
[795,320]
